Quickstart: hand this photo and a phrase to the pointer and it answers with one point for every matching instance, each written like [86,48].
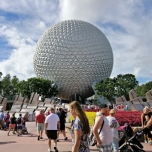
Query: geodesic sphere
[74,54]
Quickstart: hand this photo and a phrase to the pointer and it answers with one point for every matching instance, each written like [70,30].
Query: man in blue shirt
[1,119]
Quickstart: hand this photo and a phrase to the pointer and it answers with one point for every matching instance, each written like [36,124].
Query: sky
[127,25]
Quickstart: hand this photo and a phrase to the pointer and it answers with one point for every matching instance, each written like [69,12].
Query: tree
[14,82]
[23,89]
[106,89]
[6,86]
[1,82]
[144,88]
[124,83]
[45,88]
[111,88]
[9,86]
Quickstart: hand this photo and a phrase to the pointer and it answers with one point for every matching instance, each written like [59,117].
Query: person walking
[62,116]
[80,128]
[1,119]
[12,124]
[52,124]
[6,121]
[40,119]
[114,125]
[19,125]
[105,138]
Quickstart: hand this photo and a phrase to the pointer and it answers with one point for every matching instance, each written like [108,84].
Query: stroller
[24,128]
[129,142]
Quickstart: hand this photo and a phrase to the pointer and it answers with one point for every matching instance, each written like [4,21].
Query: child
[19,125]
[147,133]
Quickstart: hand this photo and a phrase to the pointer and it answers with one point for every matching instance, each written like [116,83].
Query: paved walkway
[29,143]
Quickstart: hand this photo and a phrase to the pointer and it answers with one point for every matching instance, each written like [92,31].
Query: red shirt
[40,118]
[8,117]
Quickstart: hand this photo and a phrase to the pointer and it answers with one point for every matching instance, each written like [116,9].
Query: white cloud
[124,23]
[20,62]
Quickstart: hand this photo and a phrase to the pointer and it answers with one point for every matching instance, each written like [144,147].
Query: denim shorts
[115,144]
[19,127]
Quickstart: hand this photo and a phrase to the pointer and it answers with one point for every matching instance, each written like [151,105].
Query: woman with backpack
[12,124]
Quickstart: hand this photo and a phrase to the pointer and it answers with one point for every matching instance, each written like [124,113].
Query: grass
[90,116]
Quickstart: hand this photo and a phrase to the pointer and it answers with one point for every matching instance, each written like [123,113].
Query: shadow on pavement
[7,142]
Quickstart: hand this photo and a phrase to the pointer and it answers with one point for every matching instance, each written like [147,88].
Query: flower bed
[132,117]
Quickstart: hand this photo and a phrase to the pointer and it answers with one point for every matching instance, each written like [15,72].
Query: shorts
[148,132]
[62,126]
[115,144]
[105,148]
[51,134]
[40,126]
[12,126]
[1,123]
[19,127]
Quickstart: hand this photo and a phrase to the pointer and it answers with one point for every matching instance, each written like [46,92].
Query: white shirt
[52,121]
[113,121]
[106,133]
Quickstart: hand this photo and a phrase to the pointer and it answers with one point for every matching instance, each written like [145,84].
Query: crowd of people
[53,123]
[13,123]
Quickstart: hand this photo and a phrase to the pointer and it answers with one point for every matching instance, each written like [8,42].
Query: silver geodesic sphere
[74,54]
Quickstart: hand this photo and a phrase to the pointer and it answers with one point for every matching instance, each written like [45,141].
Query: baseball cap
[103,106]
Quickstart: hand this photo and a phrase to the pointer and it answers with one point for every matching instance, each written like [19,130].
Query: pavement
[29,142]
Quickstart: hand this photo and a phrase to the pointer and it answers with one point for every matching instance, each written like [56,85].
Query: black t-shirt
[62,117]
[149,114]
[13,120]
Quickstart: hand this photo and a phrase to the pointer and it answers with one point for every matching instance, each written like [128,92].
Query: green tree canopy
[106,88]
[124,83]
[46,88]
[144,88]
[111,88]
[8,86]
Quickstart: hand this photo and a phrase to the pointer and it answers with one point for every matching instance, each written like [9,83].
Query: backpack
[5,117]
[92,140]
[19,121]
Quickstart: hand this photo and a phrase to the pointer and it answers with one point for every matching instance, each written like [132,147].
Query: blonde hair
[112,111]
[81,115]
[146,109]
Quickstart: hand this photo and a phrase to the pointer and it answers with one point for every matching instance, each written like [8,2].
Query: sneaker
[38,138]
[49,150]
[65,138]
[55,148]
[145,141]
[150,142]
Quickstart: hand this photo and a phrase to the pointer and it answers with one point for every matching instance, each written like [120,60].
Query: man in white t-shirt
[114,125]
[104,139]
[52,124]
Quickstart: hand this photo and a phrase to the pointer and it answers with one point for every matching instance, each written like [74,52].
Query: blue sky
[126,24]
